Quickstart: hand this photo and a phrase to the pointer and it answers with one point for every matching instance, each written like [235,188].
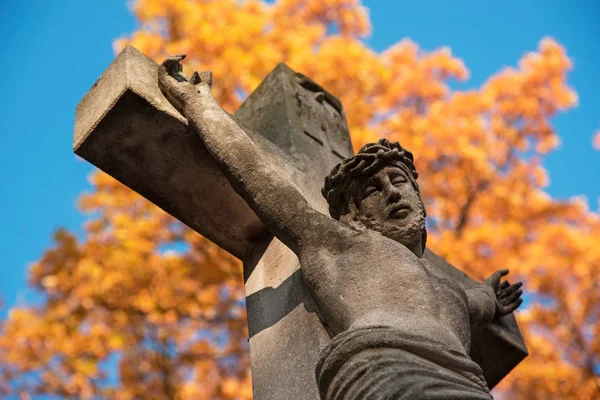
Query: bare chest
[376,275]
[453,303]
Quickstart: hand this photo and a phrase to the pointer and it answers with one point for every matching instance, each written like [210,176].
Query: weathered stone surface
[285,332]
[497,348]
[126,127]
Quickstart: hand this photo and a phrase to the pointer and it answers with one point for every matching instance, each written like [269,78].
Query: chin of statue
[408,235]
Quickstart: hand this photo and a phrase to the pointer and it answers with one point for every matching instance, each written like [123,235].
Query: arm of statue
[493,299]
[276,201]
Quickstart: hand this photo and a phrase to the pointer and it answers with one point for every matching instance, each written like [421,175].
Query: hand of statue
[508,296]
[176,88]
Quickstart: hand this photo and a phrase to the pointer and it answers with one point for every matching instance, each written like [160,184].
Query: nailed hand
[176,88]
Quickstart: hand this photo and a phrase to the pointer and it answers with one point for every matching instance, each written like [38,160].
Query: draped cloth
[384,363]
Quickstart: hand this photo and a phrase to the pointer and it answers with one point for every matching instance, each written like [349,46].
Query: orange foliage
[172,322]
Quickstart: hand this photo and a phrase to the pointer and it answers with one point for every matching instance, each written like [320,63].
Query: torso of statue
[379,281]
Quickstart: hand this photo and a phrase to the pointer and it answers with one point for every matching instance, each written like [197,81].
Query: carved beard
[408,235]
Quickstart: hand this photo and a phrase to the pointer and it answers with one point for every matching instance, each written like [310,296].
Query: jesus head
[378,188]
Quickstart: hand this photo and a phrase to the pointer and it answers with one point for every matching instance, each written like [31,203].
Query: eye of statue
[369,190]
[398,179]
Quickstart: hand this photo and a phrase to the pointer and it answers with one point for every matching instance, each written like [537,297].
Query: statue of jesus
[401,327]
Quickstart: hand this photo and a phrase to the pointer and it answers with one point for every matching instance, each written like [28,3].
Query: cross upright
[126,127]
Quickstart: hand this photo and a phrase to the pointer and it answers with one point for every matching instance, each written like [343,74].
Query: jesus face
[391,205]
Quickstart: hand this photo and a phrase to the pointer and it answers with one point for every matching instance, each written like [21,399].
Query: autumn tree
[143,307]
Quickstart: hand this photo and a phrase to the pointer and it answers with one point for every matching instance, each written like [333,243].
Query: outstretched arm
[276,201]
[493,299]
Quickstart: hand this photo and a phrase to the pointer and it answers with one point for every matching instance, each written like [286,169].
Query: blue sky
[52,53]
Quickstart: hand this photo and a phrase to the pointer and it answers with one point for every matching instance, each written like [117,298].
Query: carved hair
[344,182]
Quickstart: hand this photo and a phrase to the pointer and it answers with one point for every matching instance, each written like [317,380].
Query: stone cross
[126,127]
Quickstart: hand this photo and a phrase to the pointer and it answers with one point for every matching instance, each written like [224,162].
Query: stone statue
[400,327]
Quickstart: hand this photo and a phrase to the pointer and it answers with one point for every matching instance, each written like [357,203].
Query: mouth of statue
[400,211]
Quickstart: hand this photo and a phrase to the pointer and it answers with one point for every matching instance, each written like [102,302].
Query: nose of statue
[393,195]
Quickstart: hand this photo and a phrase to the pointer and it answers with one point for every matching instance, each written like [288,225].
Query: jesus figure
[401,328]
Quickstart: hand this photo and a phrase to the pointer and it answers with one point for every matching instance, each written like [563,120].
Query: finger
[500,273]
[173,61]
[176,58]
[511,307]
[195,79]
[495,279]
[491,278]
[206,77]
[173,67]
[512,297]
[504,285]
[511,289]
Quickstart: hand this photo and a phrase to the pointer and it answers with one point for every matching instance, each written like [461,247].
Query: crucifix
[126,127]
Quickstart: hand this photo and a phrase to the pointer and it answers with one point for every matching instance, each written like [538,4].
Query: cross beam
[126,127]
